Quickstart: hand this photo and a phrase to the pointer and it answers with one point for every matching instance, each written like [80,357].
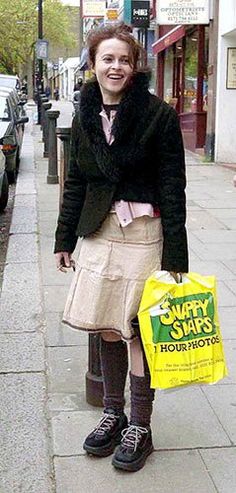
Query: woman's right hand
[64,261]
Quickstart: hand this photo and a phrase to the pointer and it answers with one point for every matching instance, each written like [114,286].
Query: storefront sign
[231,69]
[94,8]
[182,12]
[140,13]
[111,15]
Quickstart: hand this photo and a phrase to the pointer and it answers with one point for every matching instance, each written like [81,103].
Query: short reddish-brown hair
[120,31]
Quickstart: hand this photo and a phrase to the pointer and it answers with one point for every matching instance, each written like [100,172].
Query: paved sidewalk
[46,420]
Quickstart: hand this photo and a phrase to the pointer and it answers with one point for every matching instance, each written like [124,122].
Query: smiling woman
[123,194]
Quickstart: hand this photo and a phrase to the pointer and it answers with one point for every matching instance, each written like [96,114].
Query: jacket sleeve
[73,198]
[171,191]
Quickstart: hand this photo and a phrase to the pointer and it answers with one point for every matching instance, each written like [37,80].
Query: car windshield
[4,110]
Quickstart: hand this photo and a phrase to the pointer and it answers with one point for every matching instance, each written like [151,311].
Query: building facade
[225,126]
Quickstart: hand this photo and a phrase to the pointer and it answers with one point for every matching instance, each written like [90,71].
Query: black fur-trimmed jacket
[145,163]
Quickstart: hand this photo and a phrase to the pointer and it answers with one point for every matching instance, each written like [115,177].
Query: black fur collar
[127,127]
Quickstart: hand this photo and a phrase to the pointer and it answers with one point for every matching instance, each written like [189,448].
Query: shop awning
[168,39]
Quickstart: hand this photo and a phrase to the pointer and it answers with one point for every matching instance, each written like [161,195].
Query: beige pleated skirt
[112,268]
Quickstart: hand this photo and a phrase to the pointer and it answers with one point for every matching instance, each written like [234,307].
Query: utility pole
[40,61]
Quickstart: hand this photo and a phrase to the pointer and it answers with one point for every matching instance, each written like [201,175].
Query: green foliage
[191,60]
[19,30]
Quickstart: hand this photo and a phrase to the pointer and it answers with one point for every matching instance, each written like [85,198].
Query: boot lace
[105,424]
[132,436]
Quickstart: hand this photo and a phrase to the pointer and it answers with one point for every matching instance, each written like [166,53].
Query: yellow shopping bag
[180,330]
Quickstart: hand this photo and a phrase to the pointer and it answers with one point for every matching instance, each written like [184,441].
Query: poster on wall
[231,69]
[182,12]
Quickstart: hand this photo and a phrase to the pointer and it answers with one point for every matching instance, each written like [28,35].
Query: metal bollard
[43,99]
[46,107]
[52,177]
[64,134]
[93,378]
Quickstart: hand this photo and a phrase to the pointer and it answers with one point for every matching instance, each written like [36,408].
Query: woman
[125,196]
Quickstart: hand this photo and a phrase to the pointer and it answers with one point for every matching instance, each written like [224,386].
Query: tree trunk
[29,73]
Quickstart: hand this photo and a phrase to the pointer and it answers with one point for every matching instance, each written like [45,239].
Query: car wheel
[4,194]
[11,175]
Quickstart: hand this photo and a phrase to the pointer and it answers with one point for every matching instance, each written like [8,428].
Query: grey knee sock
[141,397]
[114,365]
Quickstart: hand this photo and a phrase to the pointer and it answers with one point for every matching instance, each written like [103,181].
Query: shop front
[182,80]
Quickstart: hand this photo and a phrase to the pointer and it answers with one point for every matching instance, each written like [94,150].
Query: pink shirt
[126,211]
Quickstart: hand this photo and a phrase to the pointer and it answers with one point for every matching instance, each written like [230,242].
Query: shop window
[191,72]
[168,75]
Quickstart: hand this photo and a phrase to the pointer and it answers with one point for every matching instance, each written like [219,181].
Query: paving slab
[23,248]
[202,220]
[231,285]
[59,334]
[182,419]
[24,442]
[27,186]
[55,297]
[230,355]
[212,267]
[225,295]
[48,222]
[227,316]
[51,276]
[69,430]
[22,352]
[216,236]
[24,220]
[230,264]
[219,203]
[223,401]
[220,464]
[28,201]
[67,369]
[61,402]
[222,213]
[164,472]
[229,223]
[20,302]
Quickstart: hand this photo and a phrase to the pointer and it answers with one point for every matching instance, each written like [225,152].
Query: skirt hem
[99,330]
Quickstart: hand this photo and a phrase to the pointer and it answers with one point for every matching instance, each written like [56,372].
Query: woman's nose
[116,63]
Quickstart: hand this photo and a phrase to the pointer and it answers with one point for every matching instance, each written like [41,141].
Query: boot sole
[105,450]
[133,466]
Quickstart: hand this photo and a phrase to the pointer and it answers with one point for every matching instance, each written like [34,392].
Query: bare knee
[110,337]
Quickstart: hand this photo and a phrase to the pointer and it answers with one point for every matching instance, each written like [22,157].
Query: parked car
[11,133]
[4,187]
[10,81]
[18,101]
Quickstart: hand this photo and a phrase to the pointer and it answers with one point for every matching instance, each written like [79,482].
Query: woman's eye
[107,59]
[125,61]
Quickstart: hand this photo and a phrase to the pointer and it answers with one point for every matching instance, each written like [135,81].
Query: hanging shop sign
[140,13]
[93,8]
[41,48]
[183,12]
[231,69]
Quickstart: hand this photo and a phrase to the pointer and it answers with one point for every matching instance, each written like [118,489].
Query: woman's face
[113,69]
